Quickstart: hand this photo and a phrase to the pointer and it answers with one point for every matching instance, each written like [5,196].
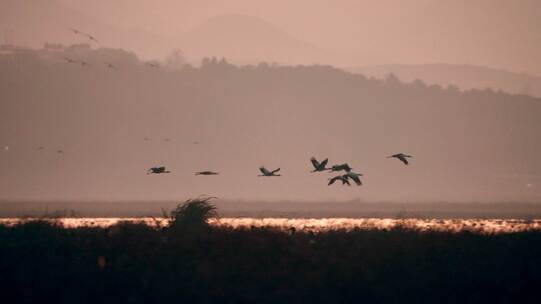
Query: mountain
[248,40]
[464,76]
[477,145]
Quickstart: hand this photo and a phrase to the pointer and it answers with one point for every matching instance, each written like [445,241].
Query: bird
[151,64]
[267,172]
[341,167]
[83,63]
[91,38]
[157,170]
[167,139]
[109,65]
[40,148]
[77,32]
[206,173]
[402,157]
[146,139]
[341,178]
[69,60]
[354,176]
[60,151]
[319,166]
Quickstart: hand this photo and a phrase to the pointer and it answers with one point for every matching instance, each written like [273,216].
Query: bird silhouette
[266,172]
[319,166]
[157,170]
[109,65]
[206,173]
[341,178]
[402,157]
[152,65]
[69,60]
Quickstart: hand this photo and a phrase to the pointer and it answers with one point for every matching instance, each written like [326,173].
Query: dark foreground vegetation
[191,262]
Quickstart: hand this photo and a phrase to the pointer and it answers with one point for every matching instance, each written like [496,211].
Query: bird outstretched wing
[315,163]
[334,179]
[264,170]
[403,159]
[274,171]
[355,178]
[325,162]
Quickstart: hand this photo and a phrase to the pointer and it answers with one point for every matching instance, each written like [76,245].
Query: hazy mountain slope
[463,76]
[475,145]
[247,39]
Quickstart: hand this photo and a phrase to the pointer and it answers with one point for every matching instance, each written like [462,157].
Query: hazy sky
[498,33]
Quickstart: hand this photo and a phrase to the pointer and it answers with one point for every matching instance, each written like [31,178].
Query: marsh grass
[189,261]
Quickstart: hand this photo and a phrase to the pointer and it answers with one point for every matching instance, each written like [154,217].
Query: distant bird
[167,139]
[267,172]
[110,66]
[319,166]
[84,63]
[206,173]
[354,176]
[92,38]
[60,151]
[40,148]
[402,157]
[157,170]
[69,60]
[152,65]
[146,139]
[75,31]
[195,142]
[341,167]
[341,178]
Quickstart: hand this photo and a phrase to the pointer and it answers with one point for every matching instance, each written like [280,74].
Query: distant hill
[463,76]
[248,40]
[477,145]
[33,23]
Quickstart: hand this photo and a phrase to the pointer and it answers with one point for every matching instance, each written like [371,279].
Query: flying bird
[84,63]
[151,64]
[69,60]
[341,167]
[40,148]
[268,173]
[206,173]
[75,31]
[402,157]
[157,170]
[91,38]
[109,65]
[341,178]
[319,166]
[60,151]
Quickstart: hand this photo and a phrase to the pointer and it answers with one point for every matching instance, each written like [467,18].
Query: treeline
[475,145]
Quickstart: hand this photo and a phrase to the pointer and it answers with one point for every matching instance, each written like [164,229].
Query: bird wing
[324,162]
[274,171]
[332,180]
[355,178]
[315,163]
[264,171]
[403,159]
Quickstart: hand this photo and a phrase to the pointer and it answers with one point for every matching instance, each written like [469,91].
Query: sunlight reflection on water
[325,224]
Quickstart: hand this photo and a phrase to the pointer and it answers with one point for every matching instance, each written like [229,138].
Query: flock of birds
[93,39]
[318,167]
[345,178]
